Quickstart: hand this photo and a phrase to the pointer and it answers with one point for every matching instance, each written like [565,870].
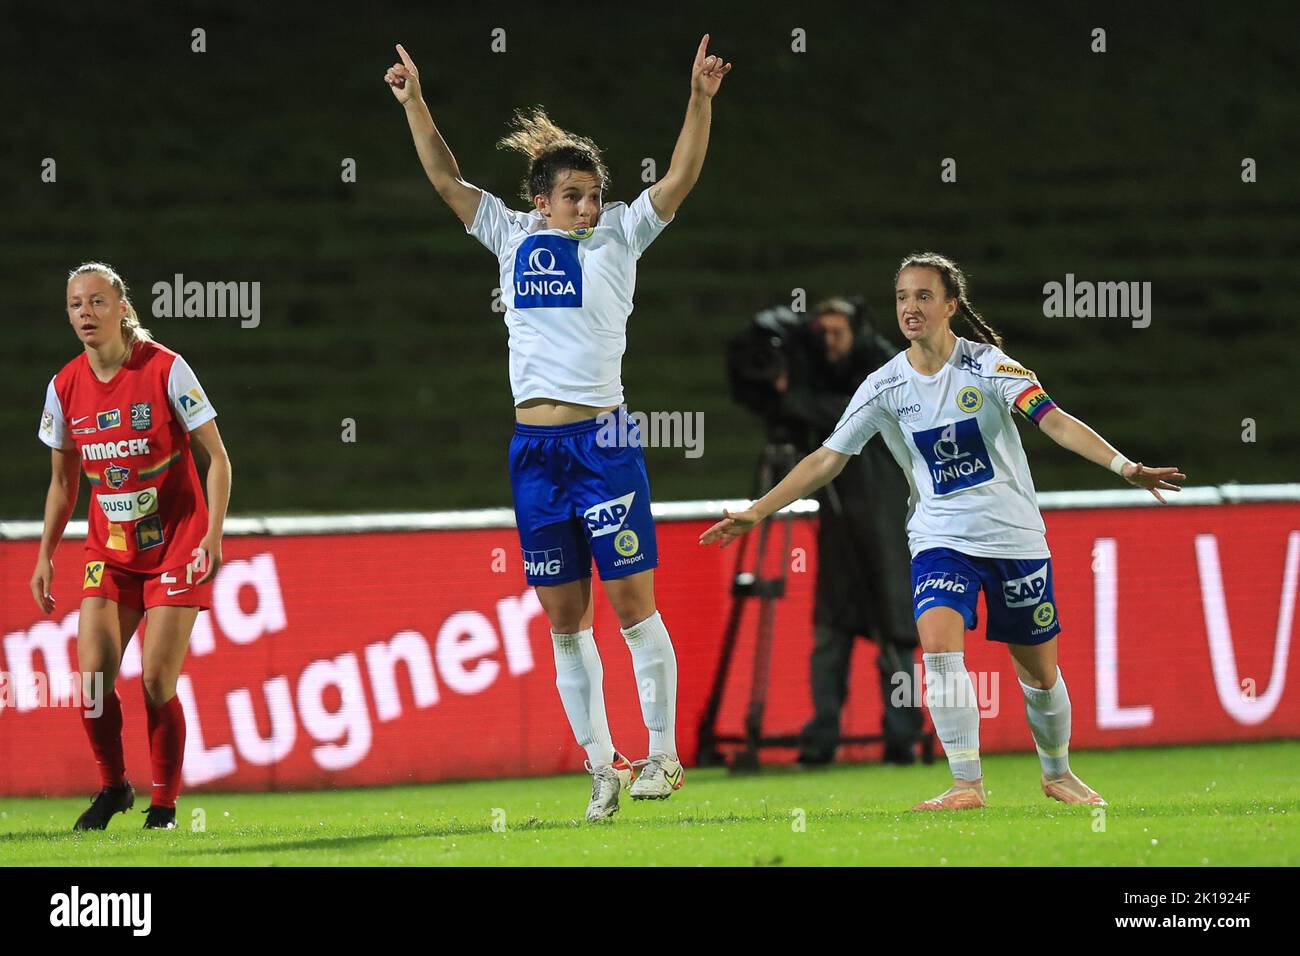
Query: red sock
[105,733]
[166,750]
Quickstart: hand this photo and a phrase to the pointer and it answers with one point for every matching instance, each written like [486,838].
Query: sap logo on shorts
[549,563]
[955,454]
[141,416]
[129,506]
[127,448]
[109,419]
[949,581]
[1022,592]
[115,476]
[547,273]
[608,516]
[94,574]
[149,533]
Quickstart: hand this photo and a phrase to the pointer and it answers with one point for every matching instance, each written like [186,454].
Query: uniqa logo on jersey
[547,273]
[955,455]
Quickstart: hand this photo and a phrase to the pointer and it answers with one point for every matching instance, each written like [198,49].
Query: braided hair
[954,286]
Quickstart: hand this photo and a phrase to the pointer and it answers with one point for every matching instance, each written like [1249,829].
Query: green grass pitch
[1204,805]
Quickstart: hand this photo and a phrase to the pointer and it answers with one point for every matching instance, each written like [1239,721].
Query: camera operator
[863,587]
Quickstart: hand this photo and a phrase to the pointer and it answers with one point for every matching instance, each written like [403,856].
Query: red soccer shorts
[175,588]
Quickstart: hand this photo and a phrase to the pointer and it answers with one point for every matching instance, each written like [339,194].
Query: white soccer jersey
[567,295]
[953,436]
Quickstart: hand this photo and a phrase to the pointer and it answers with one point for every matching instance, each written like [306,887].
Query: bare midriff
[548,411]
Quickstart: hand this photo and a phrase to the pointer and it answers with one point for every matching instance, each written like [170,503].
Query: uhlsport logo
[1022,592]
[970,399]
[955,455]
[547,273]
[548,563]
[608,516]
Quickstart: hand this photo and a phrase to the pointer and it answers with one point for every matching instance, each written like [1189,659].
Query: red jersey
[147,511]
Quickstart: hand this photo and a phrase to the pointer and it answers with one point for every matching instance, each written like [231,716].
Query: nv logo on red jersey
[110,419]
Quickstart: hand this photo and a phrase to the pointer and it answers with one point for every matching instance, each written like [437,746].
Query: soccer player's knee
[940,631]
[158,688]
[632,608]
[96,682]
[564,614]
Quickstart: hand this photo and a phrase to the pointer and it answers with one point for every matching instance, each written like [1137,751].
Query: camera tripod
[749,582]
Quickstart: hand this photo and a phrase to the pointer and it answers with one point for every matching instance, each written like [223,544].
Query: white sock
[579,677]
[1049,721]
[950,695]
[655,666]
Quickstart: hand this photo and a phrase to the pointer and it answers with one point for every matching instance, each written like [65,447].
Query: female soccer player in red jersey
[126,411]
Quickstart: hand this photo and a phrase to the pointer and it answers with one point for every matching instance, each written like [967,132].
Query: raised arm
[439,164]
[816,469]
[60,499]
[1074,435]
[693,141]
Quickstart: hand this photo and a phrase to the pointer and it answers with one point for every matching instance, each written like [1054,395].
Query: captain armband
[1034,403]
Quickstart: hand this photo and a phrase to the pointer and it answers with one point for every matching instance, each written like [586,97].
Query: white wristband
[1117,464]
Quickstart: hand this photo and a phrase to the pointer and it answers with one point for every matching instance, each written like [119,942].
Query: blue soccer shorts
[581,492]
[1018,593]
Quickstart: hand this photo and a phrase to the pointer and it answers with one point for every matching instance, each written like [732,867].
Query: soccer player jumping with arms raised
[567,273]
[944,407]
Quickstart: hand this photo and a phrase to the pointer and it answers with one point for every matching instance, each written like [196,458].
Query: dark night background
[823,171]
